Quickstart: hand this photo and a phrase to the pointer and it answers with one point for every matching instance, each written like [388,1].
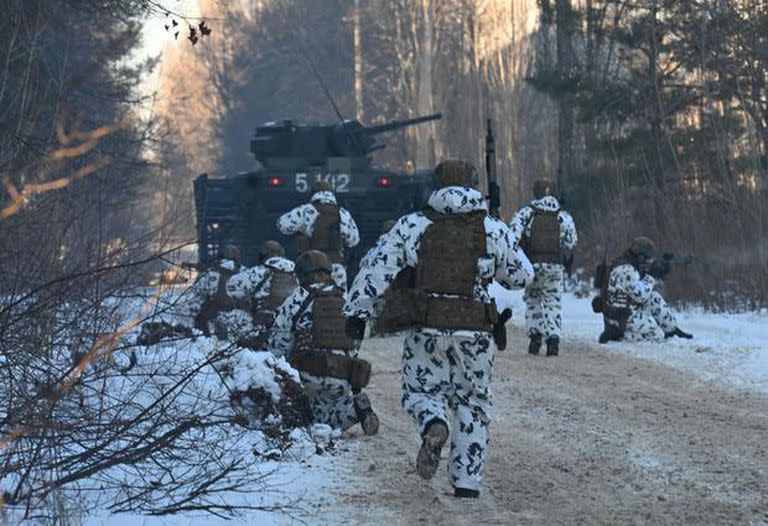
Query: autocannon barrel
[394,125]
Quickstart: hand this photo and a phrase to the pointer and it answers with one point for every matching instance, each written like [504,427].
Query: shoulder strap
[302,309]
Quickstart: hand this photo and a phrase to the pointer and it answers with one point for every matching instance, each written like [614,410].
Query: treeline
[663,114]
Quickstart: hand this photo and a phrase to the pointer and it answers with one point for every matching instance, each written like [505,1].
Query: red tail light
[275,181]
[384,182]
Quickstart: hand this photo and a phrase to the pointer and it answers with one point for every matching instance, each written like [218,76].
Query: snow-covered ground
[727,348]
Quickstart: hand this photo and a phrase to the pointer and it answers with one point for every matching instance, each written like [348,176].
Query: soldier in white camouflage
[323,225]
[259,290]
[309,331]
[632,310]
[209,296]
[445,258]
[548,236]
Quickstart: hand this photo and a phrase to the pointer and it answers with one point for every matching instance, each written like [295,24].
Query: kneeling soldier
[263,289]
[632,310]
[309,331]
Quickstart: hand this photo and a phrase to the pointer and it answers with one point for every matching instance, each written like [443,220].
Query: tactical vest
[328,329]
[281,285]
[543,245]
[326,232]
[615,317]
[446,272]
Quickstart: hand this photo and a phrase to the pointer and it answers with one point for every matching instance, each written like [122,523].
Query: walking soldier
[322,225]
[547,234]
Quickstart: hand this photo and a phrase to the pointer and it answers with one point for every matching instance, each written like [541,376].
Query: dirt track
[590,437]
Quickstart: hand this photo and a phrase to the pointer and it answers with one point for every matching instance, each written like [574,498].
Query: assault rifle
[662,265]
[494,192]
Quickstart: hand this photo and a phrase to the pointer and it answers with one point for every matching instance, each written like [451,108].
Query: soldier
[209,291]
[262,289]
[309,332]
[547,234]
[632,310]
[452,249]
[322,225]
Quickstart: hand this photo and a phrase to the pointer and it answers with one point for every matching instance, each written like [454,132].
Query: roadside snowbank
[728,348]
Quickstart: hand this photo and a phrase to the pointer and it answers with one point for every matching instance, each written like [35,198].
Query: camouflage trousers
[446,376]
[650,321]
[543,300]
[339,275]
[331,400]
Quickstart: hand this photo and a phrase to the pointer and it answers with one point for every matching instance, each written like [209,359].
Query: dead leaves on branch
[195,32]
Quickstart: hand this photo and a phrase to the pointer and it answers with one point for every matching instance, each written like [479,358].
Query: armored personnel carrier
[242,209]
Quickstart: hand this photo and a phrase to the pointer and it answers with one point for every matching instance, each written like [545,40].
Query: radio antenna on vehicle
[320,81]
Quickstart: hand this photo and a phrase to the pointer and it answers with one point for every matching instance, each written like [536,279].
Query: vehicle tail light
[275,181]
[384,182]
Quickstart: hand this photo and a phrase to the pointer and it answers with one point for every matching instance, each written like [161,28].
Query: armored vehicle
[242,209]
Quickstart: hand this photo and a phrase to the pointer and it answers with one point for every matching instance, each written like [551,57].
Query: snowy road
[594,437]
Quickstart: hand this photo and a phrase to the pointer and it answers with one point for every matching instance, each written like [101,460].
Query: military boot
[679,333]
[432,444]
[535,344]
[553,346]
[369,421]
[466,493]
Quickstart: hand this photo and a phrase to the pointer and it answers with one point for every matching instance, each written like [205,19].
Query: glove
[679,333]
[355,328]
[660,268]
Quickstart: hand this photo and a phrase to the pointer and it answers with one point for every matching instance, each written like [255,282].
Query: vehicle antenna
[349,135]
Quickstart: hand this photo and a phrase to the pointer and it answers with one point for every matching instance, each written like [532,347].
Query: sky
[155,38]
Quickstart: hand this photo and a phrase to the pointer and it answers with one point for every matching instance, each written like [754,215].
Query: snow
[253,370]
[731,349]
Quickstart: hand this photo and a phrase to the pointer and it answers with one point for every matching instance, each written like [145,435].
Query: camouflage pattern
[543,300]
[331,399]
[301,220]
[543,297]
[446,374]
[250,286]
[651,317]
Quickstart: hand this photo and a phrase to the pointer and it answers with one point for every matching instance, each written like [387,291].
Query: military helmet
[230,252]
[643,247]
[543,188]
[322,186]
[271,249]
[311,262]
[453,172]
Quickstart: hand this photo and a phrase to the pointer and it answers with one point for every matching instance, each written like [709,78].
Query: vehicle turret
[313,145]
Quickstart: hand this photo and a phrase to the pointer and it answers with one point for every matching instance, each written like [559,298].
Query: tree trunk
[424,133]
[565,68]
[358,61]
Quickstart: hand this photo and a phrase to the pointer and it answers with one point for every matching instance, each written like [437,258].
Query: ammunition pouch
[597,304]
[325,364]
[410,308]
[615,322]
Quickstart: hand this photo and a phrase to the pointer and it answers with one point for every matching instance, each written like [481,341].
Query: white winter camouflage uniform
[446,372]
[331,399]
[248,285]
[543,297]
[651,317]
[301,220]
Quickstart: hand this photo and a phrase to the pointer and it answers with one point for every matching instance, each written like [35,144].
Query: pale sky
[154,37]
